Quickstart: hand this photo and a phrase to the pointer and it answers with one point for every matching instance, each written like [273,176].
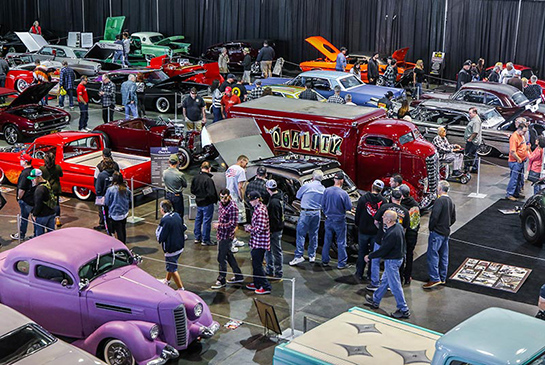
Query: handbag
[100,200]
[62,91]
[533,176]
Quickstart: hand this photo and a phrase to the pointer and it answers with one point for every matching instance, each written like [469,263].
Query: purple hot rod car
[86,286]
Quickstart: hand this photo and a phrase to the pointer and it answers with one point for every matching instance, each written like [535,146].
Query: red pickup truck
[368,145]
[77,153]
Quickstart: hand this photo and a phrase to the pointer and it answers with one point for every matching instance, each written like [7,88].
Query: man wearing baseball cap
[44,203]
[275,209]
[230,80]
[260,242]
[193,108]
[464,75]
[228,100]
[175,182]
[25,197]
[247,66]
[368,205]
[259,184]
[386,101]
[335,204]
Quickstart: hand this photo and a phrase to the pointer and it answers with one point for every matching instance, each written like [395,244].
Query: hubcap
[163,105]
[83,192]
[10,135]
[118,354]
[531,225]
[21,85]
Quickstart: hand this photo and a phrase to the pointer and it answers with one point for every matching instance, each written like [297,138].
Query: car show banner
[159,162]
[491,274]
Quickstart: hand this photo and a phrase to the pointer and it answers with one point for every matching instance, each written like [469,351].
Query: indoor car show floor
[320,293]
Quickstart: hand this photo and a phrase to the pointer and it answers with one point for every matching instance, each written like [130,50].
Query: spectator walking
[175,182]
[25,197]
[518,154]
[536,170]
[335,204]
[227,101]
[368,205]
[106,153]
[235,178]
[411,234]
[35,29]
[194,110]
[533,91]
[260,243]
[259,184]
[390,75]
[308,93]
[464,75]
[216,101]
[83,103]
[448,153]
[265,57]
[443,216]
[206,197]
[372,69]
[310,195]
[129,98]
[392,252]
[52,173]
[247,66]
[494,75]
[336,98]
[66,83]
[126,49]
[171,236]
[223,62]
[418,79]
[507,73]
[117,200]
[257,92]
[226,225]
[473,138]
[141,94]
[402,218]
[107,95]
[230,81]
[481,69]
[275,208]
[340,62]
[102,182]
[44,203]
[240,90]
[118,55]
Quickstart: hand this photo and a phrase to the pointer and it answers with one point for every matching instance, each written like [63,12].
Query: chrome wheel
[162,104]
[185,158]
[117,353]
[11,134]
[82,193]
[484,150]
[21,85]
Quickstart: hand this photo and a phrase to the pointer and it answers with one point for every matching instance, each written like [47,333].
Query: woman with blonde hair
[418,79]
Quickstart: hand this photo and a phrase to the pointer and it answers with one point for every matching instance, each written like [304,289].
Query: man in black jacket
[372,69]
[171,236]
[392,252]
[106,153]
[265,57]
[443,216]
[274,257]
[206,196]
[247,66]
[308,93]
[44,203]
[368,206]
[25,197]
[411,235]
[464,75]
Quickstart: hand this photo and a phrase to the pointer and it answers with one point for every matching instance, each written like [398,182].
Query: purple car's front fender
[203,326]
[134,334]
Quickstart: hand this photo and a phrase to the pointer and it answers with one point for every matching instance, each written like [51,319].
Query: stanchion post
[133,219]
[292,308]
[478,195]
[19,227]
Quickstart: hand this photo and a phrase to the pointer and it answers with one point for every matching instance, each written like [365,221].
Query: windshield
[350,81]
[155,77]
[80,53]
[492,118]
[104,263]
[23,342]
[540,360]
[156,38]
[520,99]
[406,138]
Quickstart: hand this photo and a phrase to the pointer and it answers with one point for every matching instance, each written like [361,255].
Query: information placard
[159,162]
[73,39]
[87,40]
[437,61]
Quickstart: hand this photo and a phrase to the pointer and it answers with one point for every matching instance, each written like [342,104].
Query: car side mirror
[83,283]
[396,147]
[64,282]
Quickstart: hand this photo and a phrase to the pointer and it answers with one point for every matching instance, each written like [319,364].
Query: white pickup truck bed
[123,160]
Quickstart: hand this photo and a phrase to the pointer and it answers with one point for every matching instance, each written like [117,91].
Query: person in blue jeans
[206,196]
[129,98]
[335,204]
[310,196]
[392,252]
[44,203]
[518,155]
[25,197]
[275,208]
[443,216]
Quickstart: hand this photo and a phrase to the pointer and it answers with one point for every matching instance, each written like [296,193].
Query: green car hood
[114,26]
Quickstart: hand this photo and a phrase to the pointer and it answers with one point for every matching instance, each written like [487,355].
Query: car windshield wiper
[113,257]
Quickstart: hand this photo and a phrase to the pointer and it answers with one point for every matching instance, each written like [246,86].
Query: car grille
[432,167]
[181,325]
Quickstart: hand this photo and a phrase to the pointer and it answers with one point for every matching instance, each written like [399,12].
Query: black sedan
[160,89]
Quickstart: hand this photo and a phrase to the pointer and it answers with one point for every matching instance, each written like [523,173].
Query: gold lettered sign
[295,140]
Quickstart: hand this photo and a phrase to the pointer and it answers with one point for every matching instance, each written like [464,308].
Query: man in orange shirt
[518,154]
[227,101]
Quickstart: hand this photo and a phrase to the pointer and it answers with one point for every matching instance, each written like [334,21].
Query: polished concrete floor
[320,294]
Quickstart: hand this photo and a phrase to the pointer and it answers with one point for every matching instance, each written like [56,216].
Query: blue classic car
[324,82]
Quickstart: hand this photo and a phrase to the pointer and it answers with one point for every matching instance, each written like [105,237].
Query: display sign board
[491,274]
[73,39]
[437,61]
[159,162]
[87,40]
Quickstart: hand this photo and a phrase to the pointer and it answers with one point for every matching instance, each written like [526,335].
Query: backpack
[51,202]
[414,218]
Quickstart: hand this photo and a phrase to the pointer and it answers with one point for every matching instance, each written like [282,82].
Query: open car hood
[33,94]
[324,47]
[113,27]
[33,42]
[180,78]
[236,136]
[102,51]
[400,54]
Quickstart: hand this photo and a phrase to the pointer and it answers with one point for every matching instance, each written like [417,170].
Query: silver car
[23,342]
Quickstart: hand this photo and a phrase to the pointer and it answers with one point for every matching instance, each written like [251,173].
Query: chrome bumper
[207,332]
[168,353]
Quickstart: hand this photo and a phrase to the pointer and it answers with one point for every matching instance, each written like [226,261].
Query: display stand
[132,219]
[478,195]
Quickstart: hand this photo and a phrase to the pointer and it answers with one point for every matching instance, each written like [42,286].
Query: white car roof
[146,34]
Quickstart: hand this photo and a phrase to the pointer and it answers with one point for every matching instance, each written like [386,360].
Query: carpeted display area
[493,236]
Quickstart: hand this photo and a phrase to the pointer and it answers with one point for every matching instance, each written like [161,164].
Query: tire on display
[465,179]
[20,85]
[533,227]
[162,105]
[185,158]
[3,178]
[12,135]
[117,353]
[82,193]
[485,150]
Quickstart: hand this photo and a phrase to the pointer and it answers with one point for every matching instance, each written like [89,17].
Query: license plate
[147,190]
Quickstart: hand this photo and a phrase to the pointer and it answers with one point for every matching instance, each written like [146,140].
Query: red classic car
[330,52]
[78,153]
[205,73]
[526,72]
[19,77]
[137,136]
[24,117]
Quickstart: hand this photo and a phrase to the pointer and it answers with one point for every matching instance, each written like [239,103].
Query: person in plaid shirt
[260,242]
[66,81]
[390,75]
[257,92]
[226,225]
[107,92]
[336,98]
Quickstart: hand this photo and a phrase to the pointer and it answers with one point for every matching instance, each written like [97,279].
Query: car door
[55,299]
[379,154]
[133,137]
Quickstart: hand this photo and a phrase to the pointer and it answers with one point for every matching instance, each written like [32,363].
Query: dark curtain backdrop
[475,28]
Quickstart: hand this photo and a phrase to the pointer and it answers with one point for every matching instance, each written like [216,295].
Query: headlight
[154,332]
[67,119]
[197,310]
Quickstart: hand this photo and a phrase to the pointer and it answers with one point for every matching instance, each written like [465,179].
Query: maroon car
[24,117]
[234,50]
[138,135]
